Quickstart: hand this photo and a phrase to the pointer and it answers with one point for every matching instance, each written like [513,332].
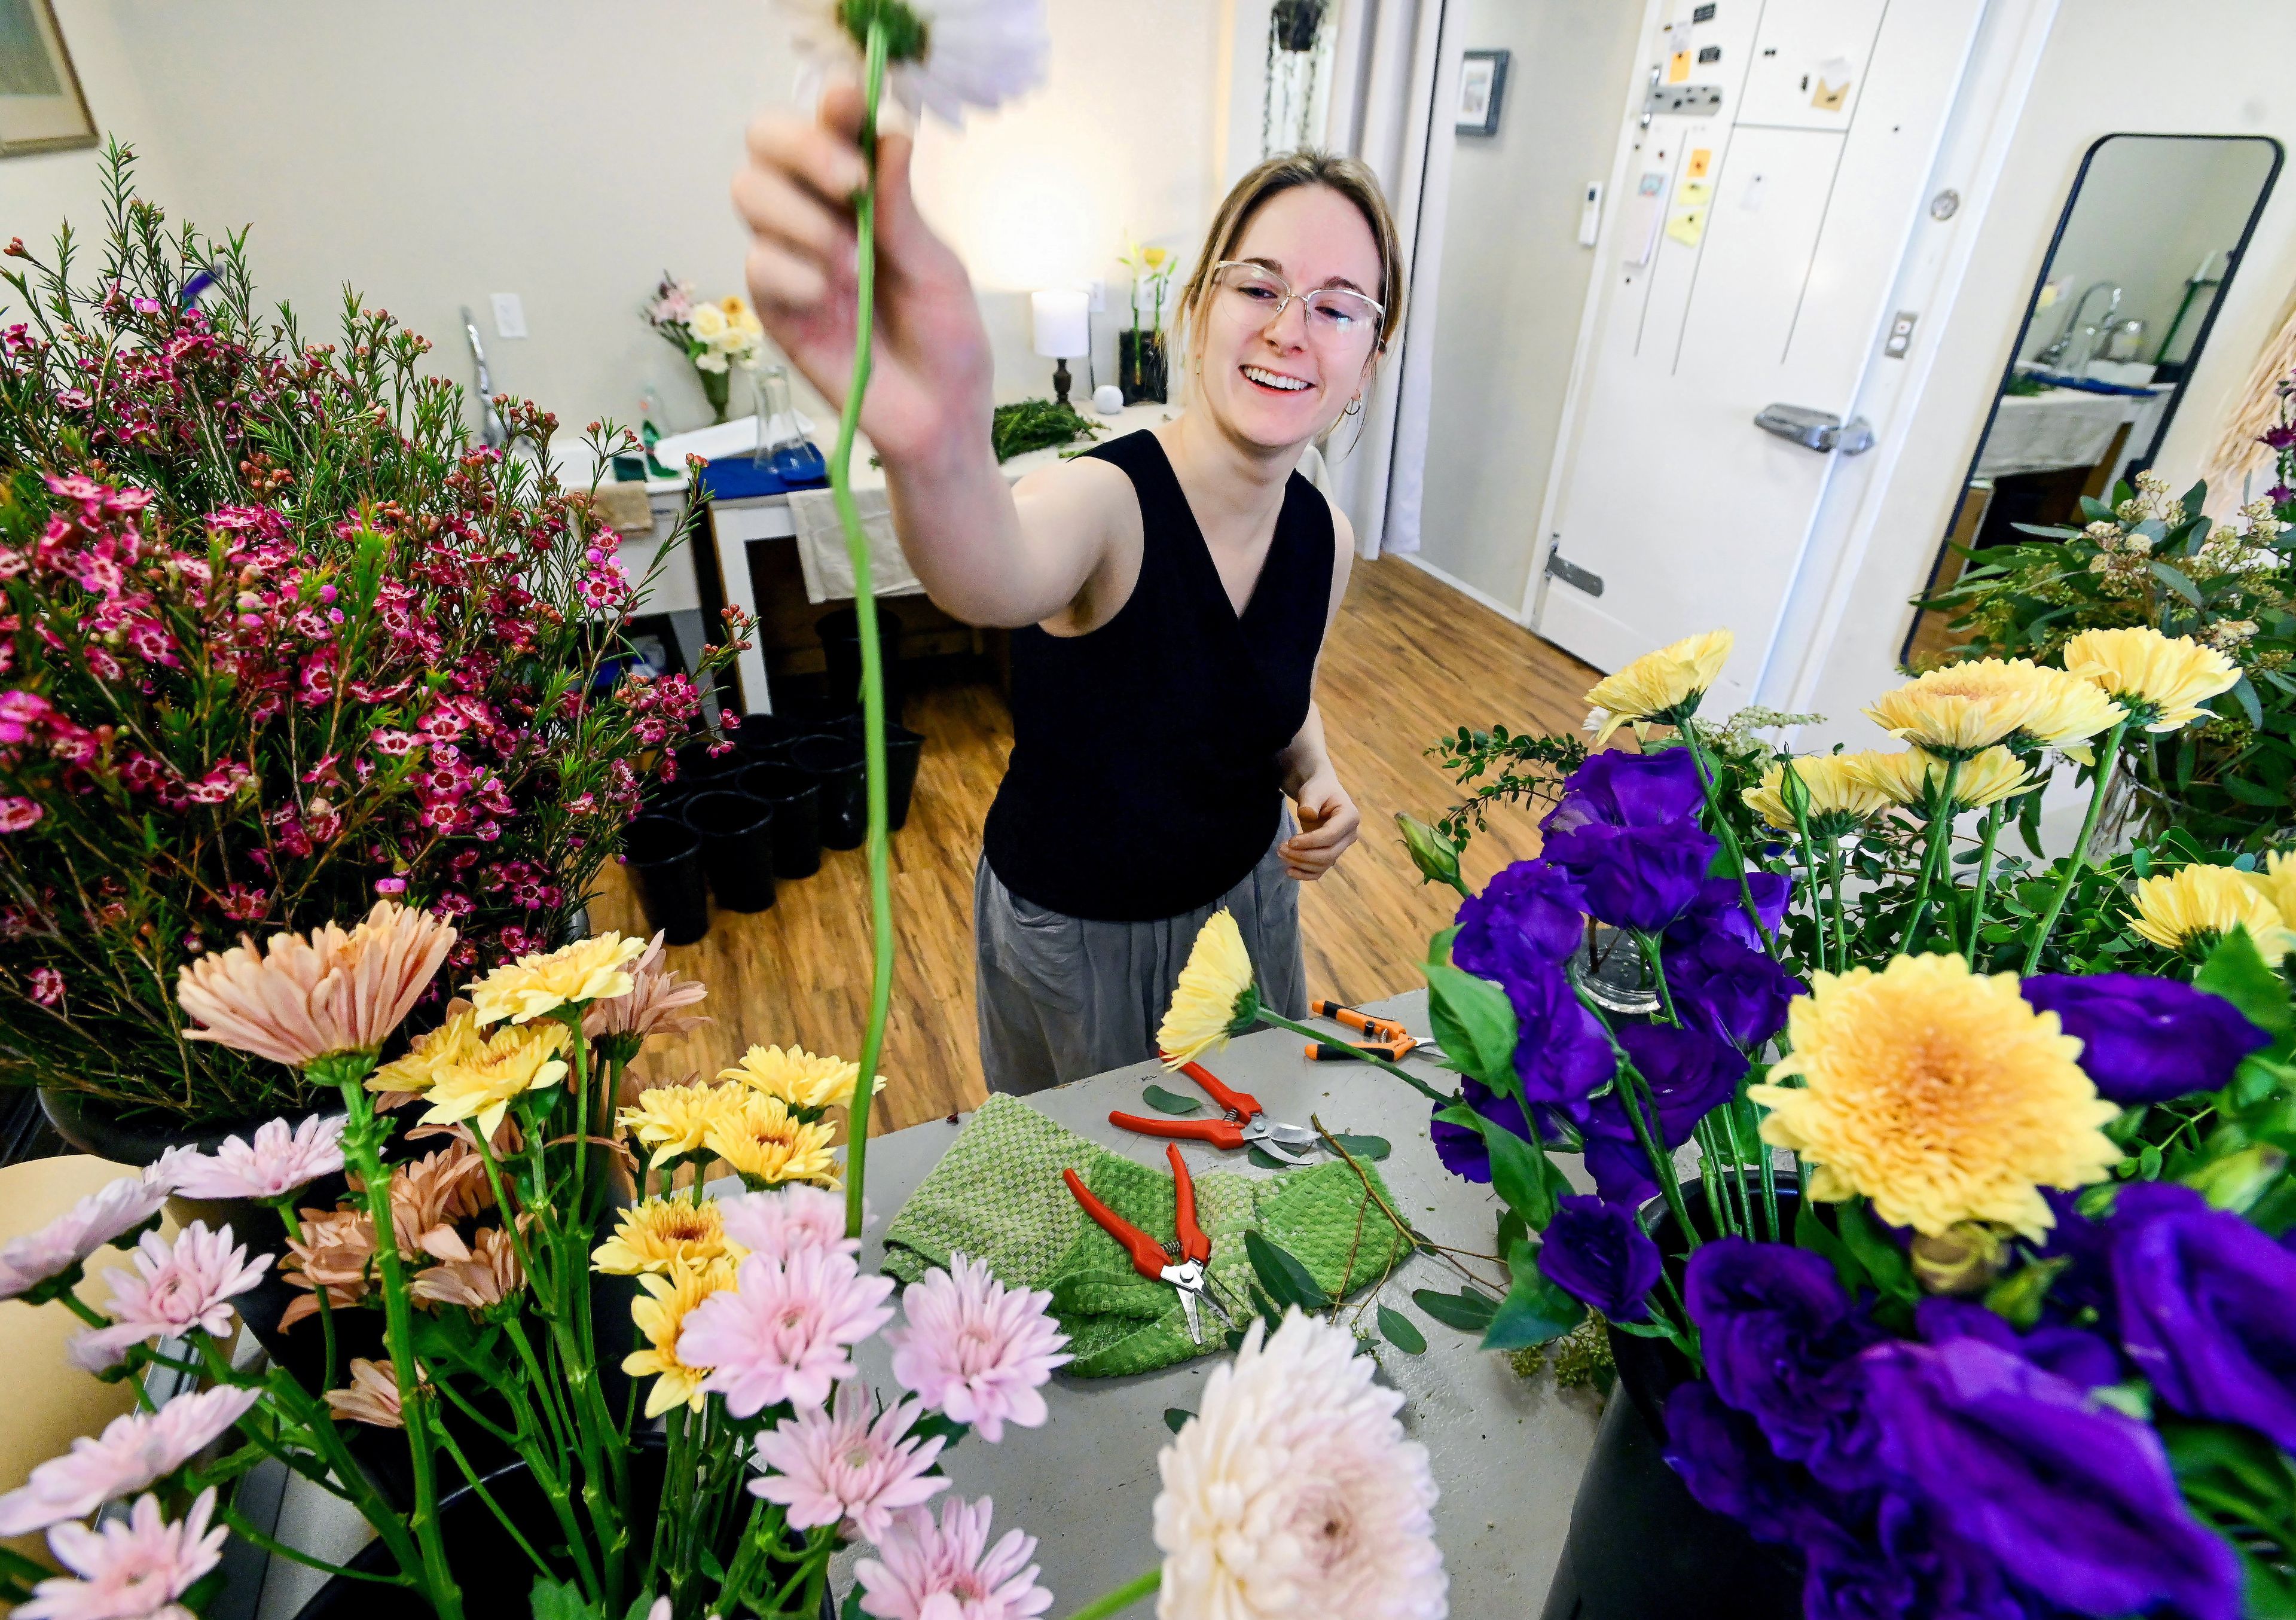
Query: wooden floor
[1408,660]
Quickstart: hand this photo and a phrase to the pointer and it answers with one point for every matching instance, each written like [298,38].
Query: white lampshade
[1063,322]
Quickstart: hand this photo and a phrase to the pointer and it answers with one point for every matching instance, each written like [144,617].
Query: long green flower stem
[1709,783]
[1123,1598]
[1936,854]
[2107,758]
[1809,847]
[873,665]
[1993,813]
[1834,863]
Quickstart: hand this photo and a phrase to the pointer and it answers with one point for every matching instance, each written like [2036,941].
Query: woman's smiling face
[1282,381]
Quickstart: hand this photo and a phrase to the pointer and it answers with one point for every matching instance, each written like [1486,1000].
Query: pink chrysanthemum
[944,1569]
[832,1466]
[781,1221]
[275,1160]
[175,1289]
[135,1570]
[976,1349]
[111,1211]
[781,1332]
[131,1454]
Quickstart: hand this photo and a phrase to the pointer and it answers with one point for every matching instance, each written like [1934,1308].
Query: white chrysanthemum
[945,54]
[1292,1493]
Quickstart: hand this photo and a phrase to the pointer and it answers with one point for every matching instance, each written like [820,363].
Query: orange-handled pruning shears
[1388,1038]
[1153,1260]
[1243,1124]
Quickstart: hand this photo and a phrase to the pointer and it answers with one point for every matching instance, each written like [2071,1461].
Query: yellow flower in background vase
[1938,1095]
[765,1144]
[2161,680]
[664,1234]
[806,1083]
[587,971]
[2192,907]
[1914,778]
[482,1087]
[1667,682]
[1839,796]
[1214,998]
[1963,708]
[674,1120]
[660,1315]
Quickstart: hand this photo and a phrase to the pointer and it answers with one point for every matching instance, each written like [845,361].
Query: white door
[1750,259]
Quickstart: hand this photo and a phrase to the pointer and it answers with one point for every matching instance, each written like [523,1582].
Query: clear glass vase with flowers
[715,337]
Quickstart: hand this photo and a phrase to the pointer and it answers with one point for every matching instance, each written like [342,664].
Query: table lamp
[1063,323]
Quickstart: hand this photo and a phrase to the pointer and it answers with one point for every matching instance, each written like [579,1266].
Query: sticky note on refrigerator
[1678,68]
[1694,193]
[1702,159]
[1688,225]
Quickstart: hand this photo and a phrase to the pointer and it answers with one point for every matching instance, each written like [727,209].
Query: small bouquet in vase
[716,337]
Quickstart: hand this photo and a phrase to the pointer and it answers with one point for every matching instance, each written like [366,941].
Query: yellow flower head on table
[1840,795]
[660,1315]
[483,1086]
[663,1235]
[588,970]
[806,1083]
[1963,708]
[1914,778]
[765,1144]
[2190,909]
[1214,999]
[459,1039]
[674,1120]
[1938,1095]
[1669,681]
[2161,680]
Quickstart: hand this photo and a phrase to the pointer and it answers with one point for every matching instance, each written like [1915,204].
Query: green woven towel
[998,1197]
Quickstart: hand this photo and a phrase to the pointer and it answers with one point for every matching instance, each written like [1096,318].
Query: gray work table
[1507,1451]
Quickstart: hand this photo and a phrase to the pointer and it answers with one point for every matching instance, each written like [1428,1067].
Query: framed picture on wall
[41,107]
[1482,85]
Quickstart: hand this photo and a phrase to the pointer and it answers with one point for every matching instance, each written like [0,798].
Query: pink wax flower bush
[276,641]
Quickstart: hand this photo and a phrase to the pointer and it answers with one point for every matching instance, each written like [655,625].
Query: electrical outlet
[509,316]
[1096,297]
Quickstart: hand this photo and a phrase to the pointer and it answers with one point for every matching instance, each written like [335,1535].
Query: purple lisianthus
[2076,1500]
[1720,909]
[1690,1073]
[1619,789]
[1561,1053]
[1731,989]
[2207,1309]
[1779,1335]
[1729,1467]
[1531,913]
[2073,1354]
[2144,1039]
[1461,1148]
[1640,877]
[1599,1254]
[1621,1170]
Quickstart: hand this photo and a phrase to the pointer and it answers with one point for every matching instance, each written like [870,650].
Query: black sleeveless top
[1144,781]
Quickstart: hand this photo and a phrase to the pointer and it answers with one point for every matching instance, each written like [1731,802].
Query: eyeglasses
[1331,312]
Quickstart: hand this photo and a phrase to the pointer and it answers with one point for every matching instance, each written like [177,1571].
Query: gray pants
[1064,997]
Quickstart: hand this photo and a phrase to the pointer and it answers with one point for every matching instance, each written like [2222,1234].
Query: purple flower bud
[1599,1254]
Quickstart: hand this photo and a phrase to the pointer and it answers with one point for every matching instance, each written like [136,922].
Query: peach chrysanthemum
[1914,778]
[303,996]
[589,970]
[673,1120]
[662,1234]
[806,1083]
[660,1317]
[1664,683]
[1840,797]
[513,1062]
[1214,998]
[371,1396]
[2162,680]
[1939,1095]
[764,1144]
[1963,708]
[491,1275]
[2192,907]
[652,1005]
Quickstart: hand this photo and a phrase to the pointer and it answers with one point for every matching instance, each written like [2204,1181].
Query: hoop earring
[1354,407]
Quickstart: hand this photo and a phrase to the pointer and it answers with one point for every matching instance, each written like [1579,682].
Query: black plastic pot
[841,649]
[1641,1547]
[796,800]
[765,738]
[665,857]
[1140,362]
[903,749]
[837,767]
[698,769]
[737,847]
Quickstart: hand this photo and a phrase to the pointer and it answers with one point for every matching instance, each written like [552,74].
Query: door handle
[1820,430]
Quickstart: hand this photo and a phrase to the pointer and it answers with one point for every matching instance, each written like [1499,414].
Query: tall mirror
[2148,242]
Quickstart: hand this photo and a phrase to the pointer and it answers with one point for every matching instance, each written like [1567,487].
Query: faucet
[2054,356]
[492,433]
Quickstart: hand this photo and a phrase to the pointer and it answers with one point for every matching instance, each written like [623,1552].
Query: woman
[1168,593]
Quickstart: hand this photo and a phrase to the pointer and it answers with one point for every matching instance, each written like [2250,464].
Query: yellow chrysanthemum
[2278,883]
[588,970]
[1214,998]
[2066,711]
[1963,708]
[483,1086]
[1939,1095]
[2190,909]
[806,1083]
[1664,682]
[660,1316]
[1839,796]
[765,1144]
[2163,681]
[673,1120]
[459,1039]
[1914,778]
[664,1234]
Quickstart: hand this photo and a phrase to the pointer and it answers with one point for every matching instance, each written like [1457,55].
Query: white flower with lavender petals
[131,1452]
[175,1288]
[276,1161]
[780,1220]
[840,1467]
[131,1569]
[948,1569]
[976,1349]
[783,1332]
[944,54]
[111,1211]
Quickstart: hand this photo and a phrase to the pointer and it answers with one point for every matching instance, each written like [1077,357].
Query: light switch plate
[509,316]
[1901,340]
[1590,214]
[1095,298]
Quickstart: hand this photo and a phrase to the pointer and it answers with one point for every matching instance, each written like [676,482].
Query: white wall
[1514,278]
[432,152]
[38,192]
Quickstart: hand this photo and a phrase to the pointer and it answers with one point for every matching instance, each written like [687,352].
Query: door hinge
[1574,576]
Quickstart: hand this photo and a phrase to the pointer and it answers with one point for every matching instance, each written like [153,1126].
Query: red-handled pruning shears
[1155,1261]
[1244,1123]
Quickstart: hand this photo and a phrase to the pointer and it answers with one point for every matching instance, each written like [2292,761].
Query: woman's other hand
[1328,824]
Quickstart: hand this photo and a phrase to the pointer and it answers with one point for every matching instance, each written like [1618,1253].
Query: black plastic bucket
[737,847]
[903,749]
[796,800]
[699,769]
[840,650]
[665,857]
[765,738]
[836,765]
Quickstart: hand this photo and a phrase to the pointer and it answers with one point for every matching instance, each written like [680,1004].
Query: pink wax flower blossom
[275,1160]
[111,1211]
[133,1452]
[944,1569]
[976,1349]
[840,1466]
[782,1333]
[135,1570]
[175,1289]
[777,1224]
[47,986]
[18,813]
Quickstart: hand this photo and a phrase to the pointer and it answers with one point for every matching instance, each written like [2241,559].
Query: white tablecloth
[2063,428]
